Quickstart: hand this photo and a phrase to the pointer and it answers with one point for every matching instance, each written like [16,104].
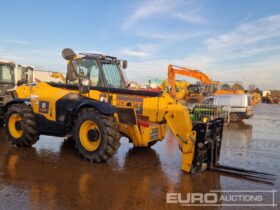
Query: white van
[240,105]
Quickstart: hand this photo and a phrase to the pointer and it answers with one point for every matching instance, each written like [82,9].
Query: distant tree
[237,86]
[225,86]
[257,90]
[252,87]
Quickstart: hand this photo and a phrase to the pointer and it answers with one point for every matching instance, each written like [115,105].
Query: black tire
[234,117]
[30,134]
[109,135]
[152,143]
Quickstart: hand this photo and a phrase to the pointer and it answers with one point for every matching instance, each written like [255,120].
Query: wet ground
[52,176]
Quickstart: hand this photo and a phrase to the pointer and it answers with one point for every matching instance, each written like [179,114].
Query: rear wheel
[96,135]
[20,124]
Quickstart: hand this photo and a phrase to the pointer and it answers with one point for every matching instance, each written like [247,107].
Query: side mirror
[124,64]
[71,72]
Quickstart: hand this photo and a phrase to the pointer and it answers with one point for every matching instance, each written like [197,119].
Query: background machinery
[230,87]
[193,93]
[96,108]
[60,76]
[13,75]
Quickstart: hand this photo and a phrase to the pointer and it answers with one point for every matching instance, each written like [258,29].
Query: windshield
[193,89]
[89,69]
[6,74]
[112,75]
[109,75]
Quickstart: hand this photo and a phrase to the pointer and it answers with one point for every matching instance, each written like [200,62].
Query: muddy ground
[51,175]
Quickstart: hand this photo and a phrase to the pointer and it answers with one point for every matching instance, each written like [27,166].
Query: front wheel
[96,135]
[20,125]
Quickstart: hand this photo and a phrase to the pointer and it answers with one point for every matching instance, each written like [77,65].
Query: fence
[203,113]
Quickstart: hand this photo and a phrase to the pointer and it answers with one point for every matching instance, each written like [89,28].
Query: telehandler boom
[96,108]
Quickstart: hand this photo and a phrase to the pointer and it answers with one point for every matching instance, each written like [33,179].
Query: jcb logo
[137,103]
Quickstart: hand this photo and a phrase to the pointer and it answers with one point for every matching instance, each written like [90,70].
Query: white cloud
[247,34]
[190,18]
[147,9]
[140,50]
[40,59]
[250,51]
[174,36]
[170,8]
[134,53]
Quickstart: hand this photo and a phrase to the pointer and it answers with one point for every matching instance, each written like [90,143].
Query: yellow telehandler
[96,109]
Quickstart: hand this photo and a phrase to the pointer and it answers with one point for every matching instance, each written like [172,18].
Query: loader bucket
[207,152]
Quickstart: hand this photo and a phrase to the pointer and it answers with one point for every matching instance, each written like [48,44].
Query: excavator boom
[196,74]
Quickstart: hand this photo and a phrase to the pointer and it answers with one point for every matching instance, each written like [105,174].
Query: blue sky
[229,40]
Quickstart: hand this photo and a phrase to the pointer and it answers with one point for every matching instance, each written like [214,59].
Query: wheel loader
[13,75]
[96,108]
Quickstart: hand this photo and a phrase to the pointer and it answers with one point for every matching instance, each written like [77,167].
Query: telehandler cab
[96,108]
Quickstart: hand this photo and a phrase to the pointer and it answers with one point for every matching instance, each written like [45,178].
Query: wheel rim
[90,137]
[14,126]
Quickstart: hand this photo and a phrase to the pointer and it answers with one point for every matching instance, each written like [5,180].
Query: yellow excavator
[229,88]
[59,75]
[95,108]
[181,88]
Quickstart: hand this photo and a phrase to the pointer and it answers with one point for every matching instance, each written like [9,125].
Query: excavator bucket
[207,152]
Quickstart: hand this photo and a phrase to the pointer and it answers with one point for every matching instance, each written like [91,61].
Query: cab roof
[98,56]
[7,62]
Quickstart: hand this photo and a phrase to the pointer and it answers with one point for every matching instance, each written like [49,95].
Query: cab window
[112,75]
[6,74]
[29,75]
[89,68]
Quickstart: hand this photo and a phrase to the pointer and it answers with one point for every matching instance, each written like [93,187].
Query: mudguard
[103,107]
[67,107]
[15,101]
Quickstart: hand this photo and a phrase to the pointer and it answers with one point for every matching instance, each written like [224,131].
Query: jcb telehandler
[96,108]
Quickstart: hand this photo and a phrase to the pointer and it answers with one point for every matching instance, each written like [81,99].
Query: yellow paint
[83,134]
[159,112]
[179,122]
[49,94]
[24,91]
[228,92]
[15,118]
[12,165]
